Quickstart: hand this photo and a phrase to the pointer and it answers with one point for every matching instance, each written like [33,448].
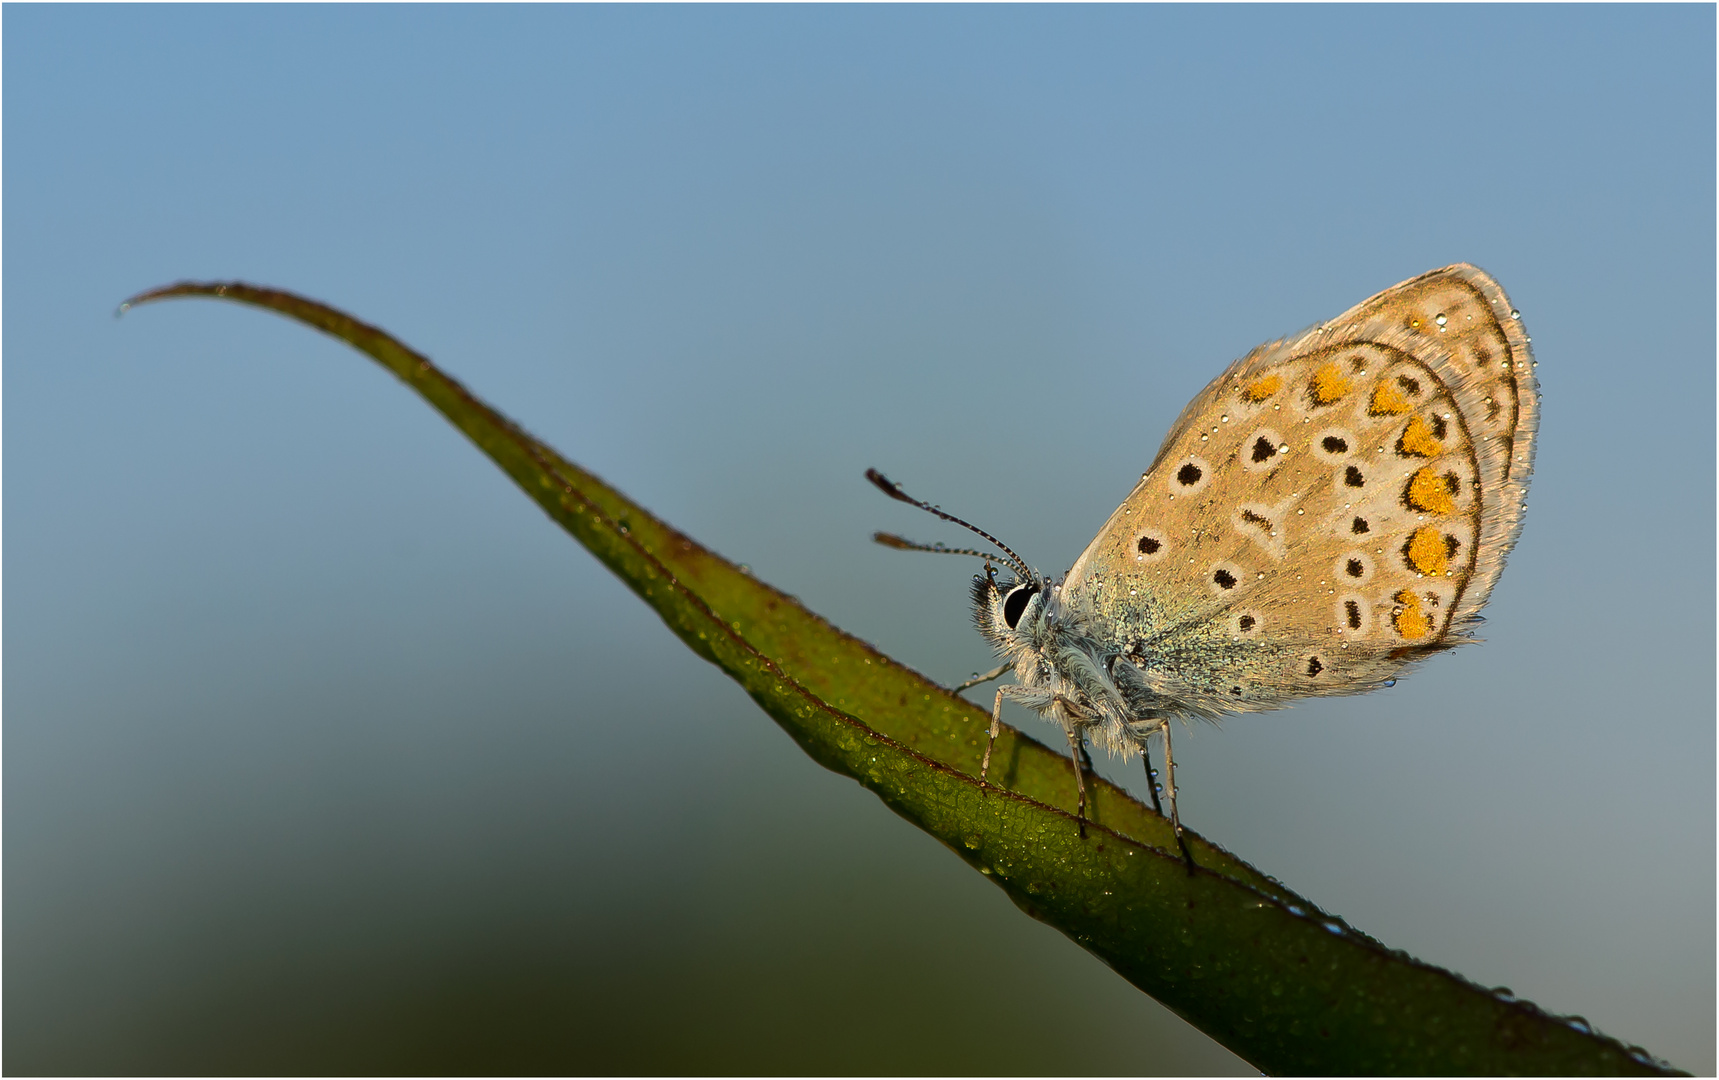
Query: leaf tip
[167,292]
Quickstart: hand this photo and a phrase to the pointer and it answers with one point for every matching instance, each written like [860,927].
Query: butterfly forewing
[1330,508]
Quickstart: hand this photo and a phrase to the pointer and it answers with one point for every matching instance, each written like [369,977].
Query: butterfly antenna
[902,543]
[893,490]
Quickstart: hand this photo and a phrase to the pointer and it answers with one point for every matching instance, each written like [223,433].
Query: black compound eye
[1016,604]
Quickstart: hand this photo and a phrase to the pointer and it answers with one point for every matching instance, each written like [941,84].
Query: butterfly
[1332,508]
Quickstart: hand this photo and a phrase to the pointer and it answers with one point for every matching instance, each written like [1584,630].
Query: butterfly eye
[1016,604]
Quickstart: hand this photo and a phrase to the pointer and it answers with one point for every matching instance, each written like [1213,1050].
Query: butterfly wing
[1330,508]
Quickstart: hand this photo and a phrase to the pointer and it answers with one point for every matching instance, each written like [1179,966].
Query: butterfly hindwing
[1330,508]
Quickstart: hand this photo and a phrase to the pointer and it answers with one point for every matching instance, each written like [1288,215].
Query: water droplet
[1514,314]
[1440,319]
[1640,1054]
[1503,993]
[1393,682]
[1293,910]
[1337,928]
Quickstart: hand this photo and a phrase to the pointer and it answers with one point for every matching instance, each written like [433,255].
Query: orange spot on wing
[1409,620]
[1428,491]
[1426,551]
[1329,384]
[1387,402]
[1260,389]
[1418,440]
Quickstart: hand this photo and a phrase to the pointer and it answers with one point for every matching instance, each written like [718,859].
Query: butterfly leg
[991,740]
[1151,780]
[995,673]
[1170,793]
[1076,751]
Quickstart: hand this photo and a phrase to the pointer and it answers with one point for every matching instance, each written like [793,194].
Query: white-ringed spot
[1223,577]
[1354,566]
[1189,475]
[1354,614]
[1150,546]
[1260,450]
[1334,444]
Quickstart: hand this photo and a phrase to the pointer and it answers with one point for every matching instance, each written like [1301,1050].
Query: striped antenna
[893,490]
[902,543]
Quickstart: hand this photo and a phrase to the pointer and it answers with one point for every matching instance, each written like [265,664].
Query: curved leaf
[1263,971]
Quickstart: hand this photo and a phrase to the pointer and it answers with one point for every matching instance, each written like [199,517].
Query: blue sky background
[324,750]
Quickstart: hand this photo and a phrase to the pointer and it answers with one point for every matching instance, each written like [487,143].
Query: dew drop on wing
[1390,683]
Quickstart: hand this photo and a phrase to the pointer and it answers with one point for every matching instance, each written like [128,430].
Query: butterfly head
[1013,613]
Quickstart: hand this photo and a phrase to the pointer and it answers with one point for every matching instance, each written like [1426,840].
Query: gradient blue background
[325,751]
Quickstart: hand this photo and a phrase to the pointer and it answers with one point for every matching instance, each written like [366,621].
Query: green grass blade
[1284,985]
